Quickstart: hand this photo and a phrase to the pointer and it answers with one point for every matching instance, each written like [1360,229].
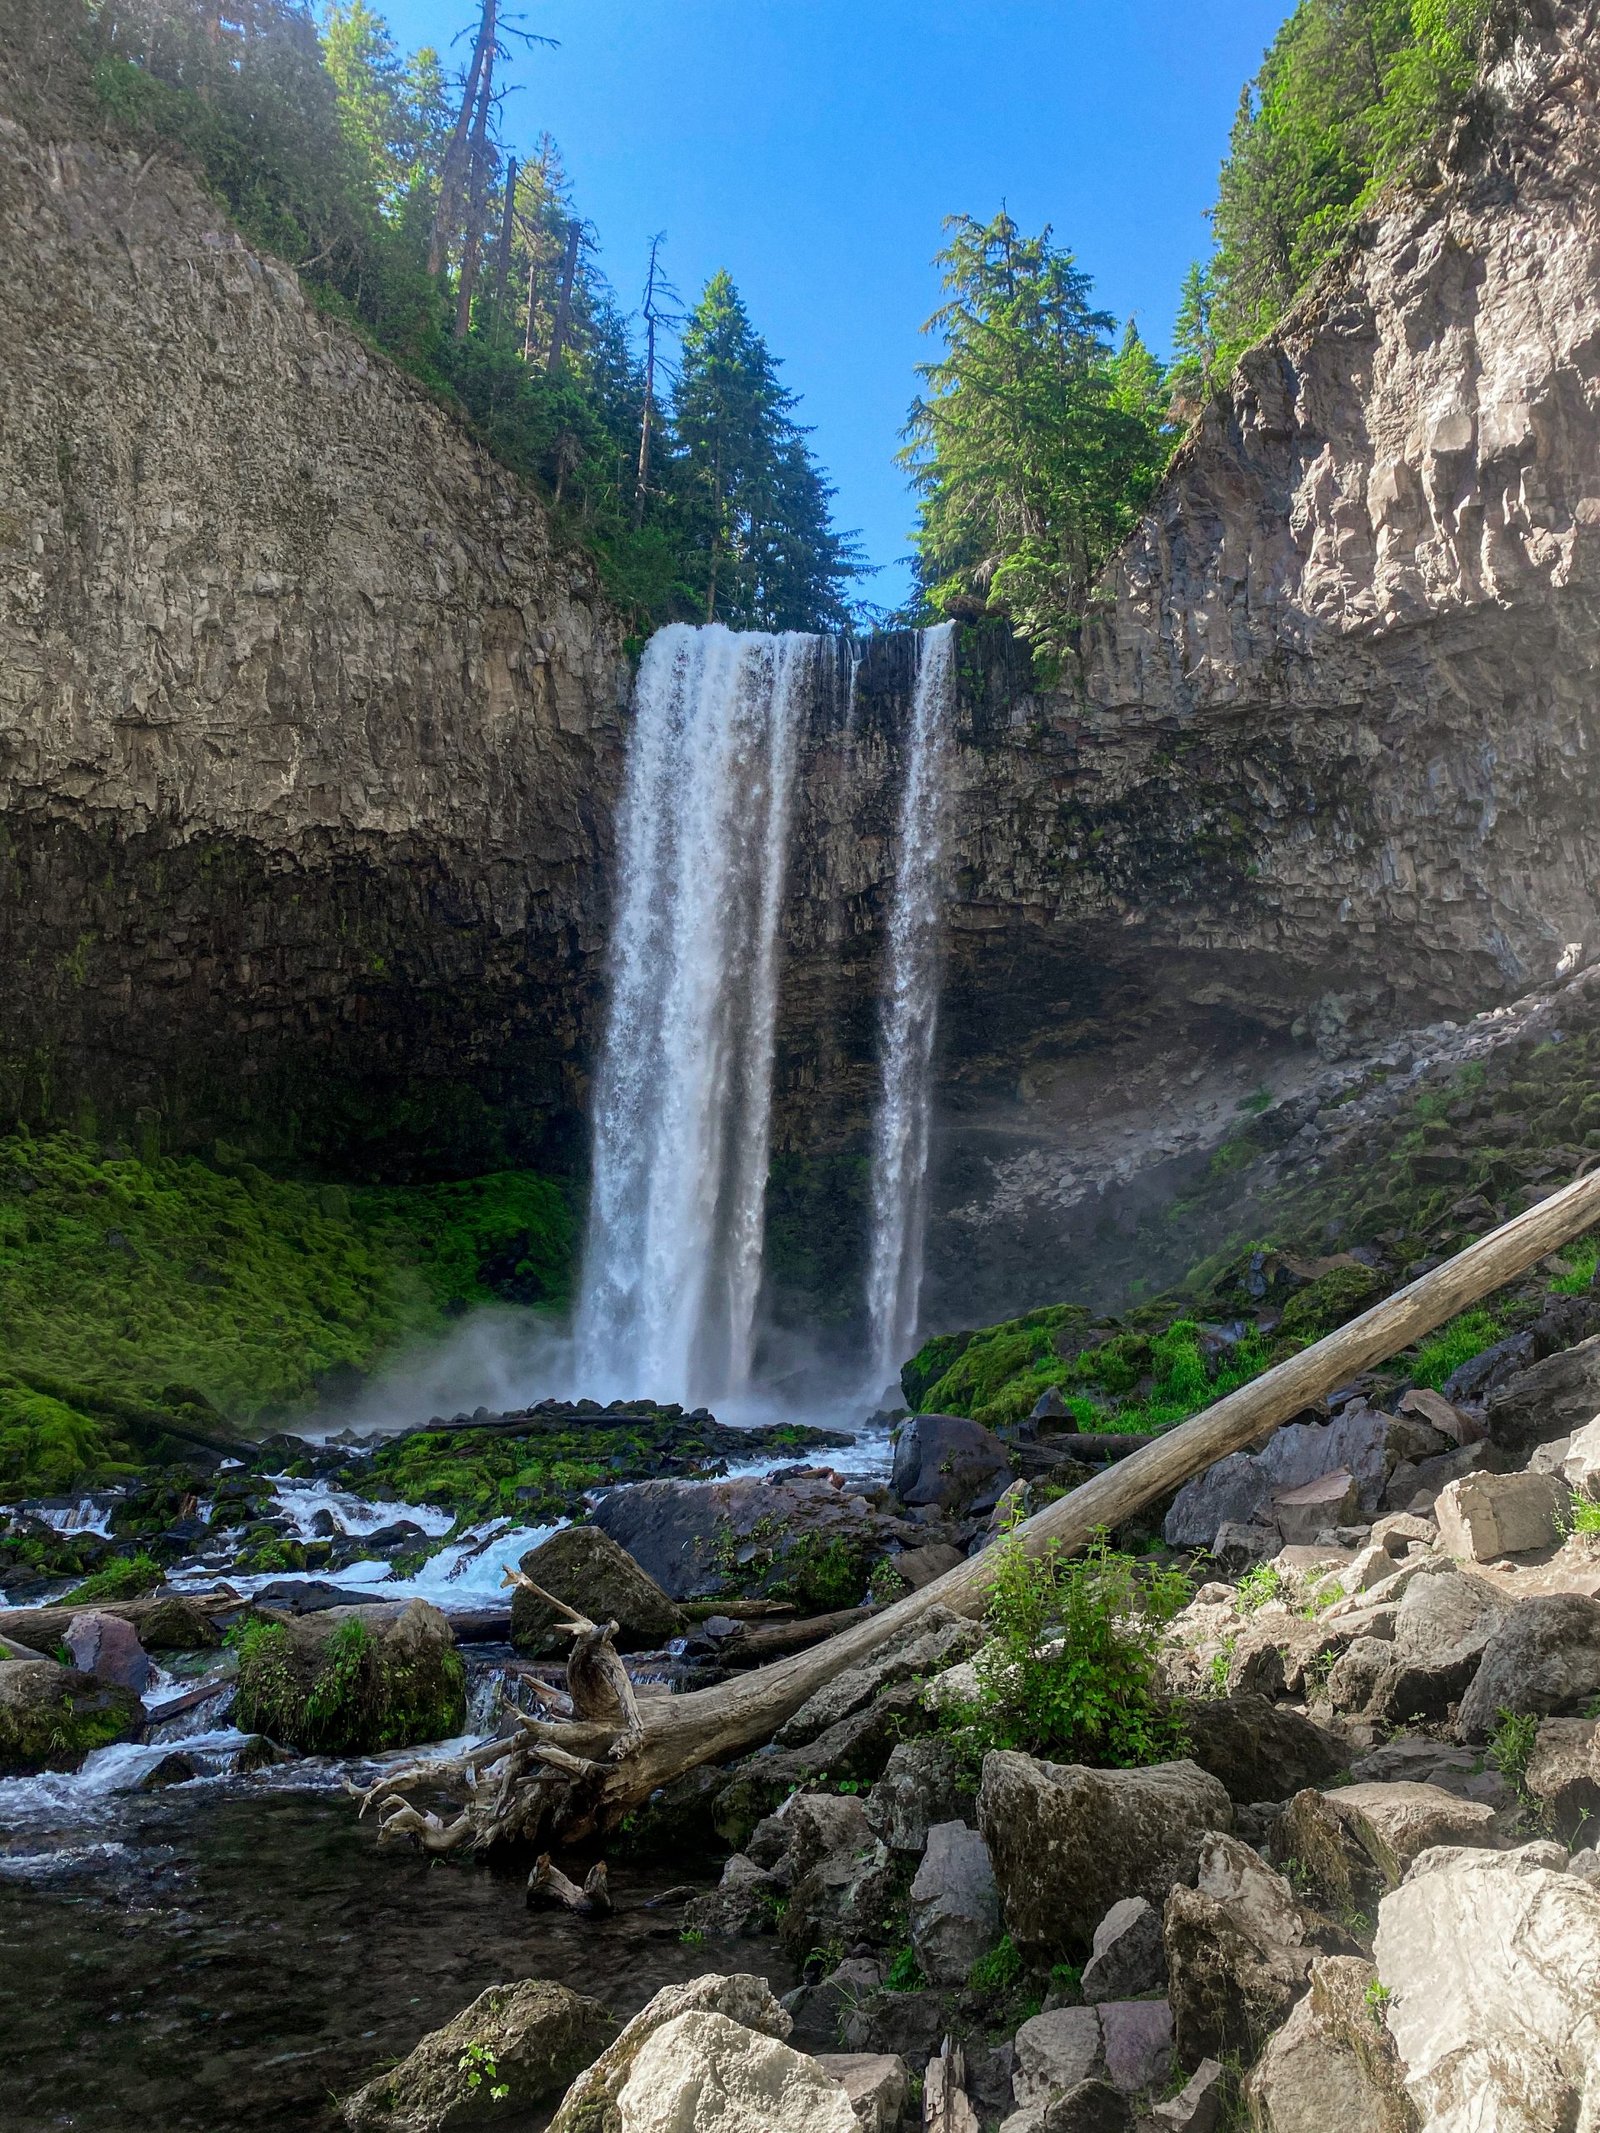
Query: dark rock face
[586,1570]
[1257,1750]
[949,1462]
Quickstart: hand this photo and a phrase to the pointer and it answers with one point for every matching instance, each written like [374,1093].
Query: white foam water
[673,1257]
[908,1019]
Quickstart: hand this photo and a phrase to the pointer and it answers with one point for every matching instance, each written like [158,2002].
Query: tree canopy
[380,176]
[1036,440]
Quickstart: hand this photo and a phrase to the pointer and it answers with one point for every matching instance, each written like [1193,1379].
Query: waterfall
[673,1255]
[909,1012]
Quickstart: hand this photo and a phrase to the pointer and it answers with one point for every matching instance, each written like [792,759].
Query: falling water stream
[672,1262]
[910,1008]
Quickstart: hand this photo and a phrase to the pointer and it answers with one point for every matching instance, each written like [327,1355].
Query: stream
[231,1952]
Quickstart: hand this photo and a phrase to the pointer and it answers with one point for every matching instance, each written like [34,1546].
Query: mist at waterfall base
[669,1303]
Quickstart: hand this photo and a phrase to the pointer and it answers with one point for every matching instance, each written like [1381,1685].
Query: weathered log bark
[751,1646]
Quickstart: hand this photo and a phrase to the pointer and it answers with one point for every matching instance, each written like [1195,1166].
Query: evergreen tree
[1035,444]
[762,549]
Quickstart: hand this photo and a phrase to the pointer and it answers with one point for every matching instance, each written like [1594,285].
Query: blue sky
[812,148]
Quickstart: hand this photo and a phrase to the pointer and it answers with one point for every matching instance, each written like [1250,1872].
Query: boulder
[932,1643]
[704,2073]
[699,1538]
[1332,2064]
[530,2038]
[584,1567]
[824,2011]
[1068,1842]
[108,1647]
[1055,2052]
[1563,1774]
[1543,1658]
[1229,1986]
[592,2100]
[52,1716]
[1136,2041]
[1485,1516]
[1423,1761]
[1092,2107]
[172,1623]
[1552,1398]
[814,1825]
[1238,1548]
[954,1904]
[924,1782]
[746,1900]
[1490,1964]
[948,1462]
[1580,1464]
[878,2085]
[1259,1750]
[1240,1489]
[844,1898]
[857,1749]
[352,1680]
[1128,1955]
[1442,1627]
[1302,1514]
[1394,1822]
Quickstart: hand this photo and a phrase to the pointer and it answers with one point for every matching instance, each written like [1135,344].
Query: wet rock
[1333,2063]
[923,1783]
[954,1905]
[592,2100]
[1128,1955]
[878,2085]
[52,1716]
[349,1681]
[1490,1961]
[845,1897]
[1563,1774]
[805,1536]
[108,1647]
[920,1566]
[1068,1842]
[1543,1658]
[583,1566]
[948,1462]
[1485,1516]
[174,1769]
[259,1753]
[704,2073]
[1258,1750]
[530,2038]
[677,1818]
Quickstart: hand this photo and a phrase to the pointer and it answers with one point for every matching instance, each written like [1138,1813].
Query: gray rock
[1238,1548]
[1563,1774]
[954,1904]
[1552,1398]
[1240,1489]
[699,1538]
[1543,1658]
[1303,1514]
[539,2035]
[823,2013]
[593,2098]
[1128,1955]
[1580,1463]
[1237,1954]
[1485,1516]
[1136,2040]
[583,1566]
[744,1901]
[108,1647]
[1259,1750]
[845,1897]
[935,1641]
[878,2085]
[52,1716]
[1055,2052]
[923,1783]
[949,1462]
[1331,2064]
[1423,1761]
[1068,1842]
[1198,2105]
[702,2071]
[1490,1962]
[1442,1627]
[1091,2107]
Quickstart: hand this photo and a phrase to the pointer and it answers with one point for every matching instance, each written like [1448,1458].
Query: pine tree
[1035,445]
[763,549]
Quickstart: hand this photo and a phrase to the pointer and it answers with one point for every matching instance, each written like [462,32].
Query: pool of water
[229,1959]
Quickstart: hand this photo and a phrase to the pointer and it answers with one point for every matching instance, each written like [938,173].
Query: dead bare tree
[655,289]
[563,1782]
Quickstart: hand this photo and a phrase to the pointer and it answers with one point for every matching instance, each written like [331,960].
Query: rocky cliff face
[1329,769]
[309,730]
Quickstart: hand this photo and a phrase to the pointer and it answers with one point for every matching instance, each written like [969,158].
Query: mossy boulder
[513,2047]
[585,1568]
[352,1680]
[52,1716]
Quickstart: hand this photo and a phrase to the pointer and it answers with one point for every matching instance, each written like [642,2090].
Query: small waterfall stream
[672,1261]
[910,1009]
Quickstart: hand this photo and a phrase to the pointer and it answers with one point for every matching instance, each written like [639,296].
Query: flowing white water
[672,1261]
[909,1015]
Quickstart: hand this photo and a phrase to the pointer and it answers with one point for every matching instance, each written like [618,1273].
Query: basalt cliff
[311,730]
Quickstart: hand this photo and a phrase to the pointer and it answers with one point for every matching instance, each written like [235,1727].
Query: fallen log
[771,1639]
[45,1627]
[677,1733]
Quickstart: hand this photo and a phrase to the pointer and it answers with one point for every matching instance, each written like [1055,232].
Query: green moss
[59,1719]
[133,1290]
[125,1579]
[348,1693]
[1329,1301]
[1439,1357]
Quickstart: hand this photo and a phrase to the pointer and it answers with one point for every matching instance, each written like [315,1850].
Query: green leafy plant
[904,1973]
[1511,1748]
[477,2063]
[1070,1666]
[1377,1997]
[1258,1586]
[999,1970]
[1583,1515]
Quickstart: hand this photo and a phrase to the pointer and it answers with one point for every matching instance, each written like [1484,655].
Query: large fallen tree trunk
[707,1725]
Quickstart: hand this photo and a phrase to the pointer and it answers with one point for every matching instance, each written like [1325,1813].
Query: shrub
[1070,1668]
